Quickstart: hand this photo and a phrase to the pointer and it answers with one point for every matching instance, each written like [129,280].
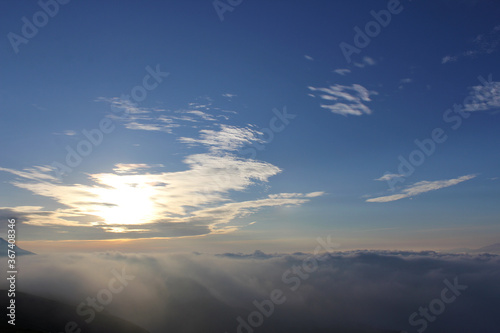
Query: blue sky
[176,168]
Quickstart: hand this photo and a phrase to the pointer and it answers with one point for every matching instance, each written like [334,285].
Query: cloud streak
[482,44]
[420,187]
[342,71]
[134,117]
[347,100]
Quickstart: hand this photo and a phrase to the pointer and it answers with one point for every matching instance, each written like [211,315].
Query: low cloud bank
[366,291]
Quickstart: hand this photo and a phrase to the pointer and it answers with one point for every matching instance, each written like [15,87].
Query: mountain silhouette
[37,314]
[4,247]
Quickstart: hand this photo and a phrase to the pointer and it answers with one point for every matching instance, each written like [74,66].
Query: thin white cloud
[134,117]
[315,194]
[448,58]
[389,176]
[134,168]
[349,100]
[486,97]
[404,81]
[201,114]
[422,187]
[229,95]
[134,125]
[222,215]
[309,57]
[37,215]
[482,44]
[66,133]
[69,133]
[120,105]
[38,173]
[367,61]
[342,71]
[229,138]
[296,195]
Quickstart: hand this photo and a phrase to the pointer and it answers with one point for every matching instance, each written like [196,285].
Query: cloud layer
[356,290]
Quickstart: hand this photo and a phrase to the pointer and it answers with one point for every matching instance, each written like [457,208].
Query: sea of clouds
[208,293]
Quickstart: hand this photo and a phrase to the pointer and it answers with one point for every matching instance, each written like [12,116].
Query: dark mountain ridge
[4,247]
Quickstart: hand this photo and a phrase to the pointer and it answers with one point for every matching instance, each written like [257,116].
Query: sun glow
[126,204]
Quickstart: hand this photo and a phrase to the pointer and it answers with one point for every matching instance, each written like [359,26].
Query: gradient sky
[206,161]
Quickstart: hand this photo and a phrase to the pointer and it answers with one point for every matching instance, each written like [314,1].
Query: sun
[125,204]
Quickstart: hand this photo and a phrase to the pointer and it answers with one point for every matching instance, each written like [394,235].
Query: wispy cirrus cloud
[134,168]
[38,173]
[487,97]
[66,133]
[35,215]
[404,81]
[482,44]
[228,138]
[296,195]
[134,117]
[342,71]
[389,176]
[421,187]
[367,61]
[347,100]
